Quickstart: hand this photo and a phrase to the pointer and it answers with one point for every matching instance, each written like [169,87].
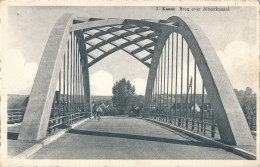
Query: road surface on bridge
[127,138]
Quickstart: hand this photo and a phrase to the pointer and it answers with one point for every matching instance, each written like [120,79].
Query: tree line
[126,102]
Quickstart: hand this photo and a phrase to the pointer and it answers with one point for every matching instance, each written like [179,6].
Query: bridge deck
[127,138]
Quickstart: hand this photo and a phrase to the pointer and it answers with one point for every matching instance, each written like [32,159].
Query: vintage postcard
[129,83]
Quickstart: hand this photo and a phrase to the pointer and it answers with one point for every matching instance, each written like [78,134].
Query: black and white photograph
[129,84]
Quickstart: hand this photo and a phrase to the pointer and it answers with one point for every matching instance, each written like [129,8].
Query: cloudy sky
[232,34]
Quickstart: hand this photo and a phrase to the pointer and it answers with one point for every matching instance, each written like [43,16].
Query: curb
[244,153]
[25,154]
[29,151]
[53,137]
[238,151]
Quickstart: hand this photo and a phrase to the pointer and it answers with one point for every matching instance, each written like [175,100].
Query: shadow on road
[140,137]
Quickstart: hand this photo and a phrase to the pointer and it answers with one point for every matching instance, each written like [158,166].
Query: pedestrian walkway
[128,138]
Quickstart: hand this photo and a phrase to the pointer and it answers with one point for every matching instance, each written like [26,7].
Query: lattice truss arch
[138,40]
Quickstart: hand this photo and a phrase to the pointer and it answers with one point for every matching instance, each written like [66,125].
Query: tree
[247,100]
[110,110]
[123,93]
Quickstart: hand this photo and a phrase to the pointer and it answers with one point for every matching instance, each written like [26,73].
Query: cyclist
[99,112]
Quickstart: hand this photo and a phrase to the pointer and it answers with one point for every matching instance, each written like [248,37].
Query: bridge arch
[70,30]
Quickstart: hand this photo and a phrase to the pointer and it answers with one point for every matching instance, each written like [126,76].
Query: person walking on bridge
[99,112]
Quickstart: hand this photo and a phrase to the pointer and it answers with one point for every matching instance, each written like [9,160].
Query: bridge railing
[64,114]
[15,115]
[203,124]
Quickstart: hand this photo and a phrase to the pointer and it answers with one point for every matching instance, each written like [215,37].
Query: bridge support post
[87,99]
[85,72]
[37,114]
[152,71]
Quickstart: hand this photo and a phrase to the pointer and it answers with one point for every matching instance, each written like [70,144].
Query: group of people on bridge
[97,111]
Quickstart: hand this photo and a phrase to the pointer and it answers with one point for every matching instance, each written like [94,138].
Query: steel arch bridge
[169,48]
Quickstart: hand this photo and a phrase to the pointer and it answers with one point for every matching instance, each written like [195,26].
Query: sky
[232,34]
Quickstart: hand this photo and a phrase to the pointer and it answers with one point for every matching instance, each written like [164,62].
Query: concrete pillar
[37,114]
